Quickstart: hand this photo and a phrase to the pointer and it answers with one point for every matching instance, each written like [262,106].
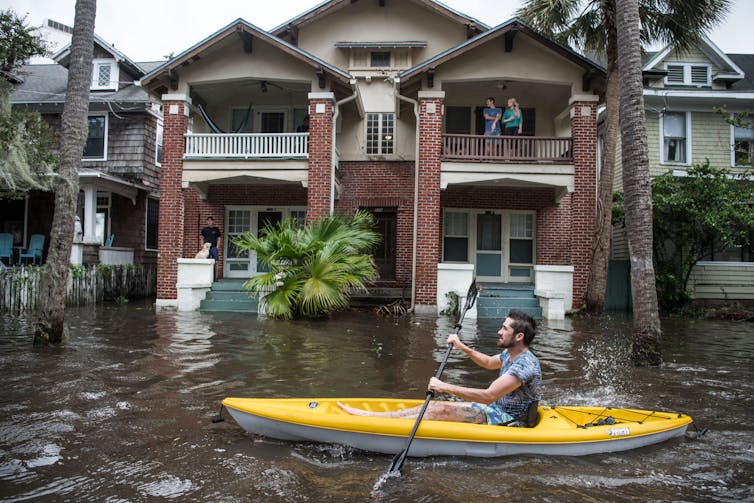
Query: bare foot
[352,410]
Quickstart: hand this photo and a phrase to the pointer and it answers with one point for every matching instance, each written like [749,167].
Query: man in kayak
[506,399]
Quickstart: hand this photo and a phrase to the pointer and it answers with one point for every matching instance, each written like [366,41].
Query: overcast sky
[148,30]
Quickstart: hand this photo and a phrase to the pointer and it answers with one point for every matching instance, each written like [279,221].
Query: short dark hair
[491,99]
[523,322]
[210,218]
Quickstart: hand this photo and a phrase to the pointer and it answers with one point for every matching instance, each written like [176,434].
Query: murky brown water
[123,411]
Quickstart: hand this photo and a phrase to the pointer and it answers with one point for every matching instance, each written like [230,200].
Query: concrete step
[501,311]
[497,299]
[233,285]
[213,305]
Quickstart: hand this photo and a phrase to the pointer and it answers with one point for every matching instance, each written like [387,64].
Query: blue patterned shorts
[495,415]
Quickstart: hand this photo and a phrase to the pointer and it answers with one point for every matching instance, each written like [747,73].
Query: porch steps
[497,299]
[228,295]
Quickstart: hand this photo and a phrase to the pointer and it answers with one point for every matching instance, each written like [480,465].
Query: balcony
[505,149]
[246,146]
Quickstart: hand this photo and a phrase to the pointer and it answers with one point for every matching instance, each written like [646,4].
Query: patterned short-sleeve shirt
[526,368]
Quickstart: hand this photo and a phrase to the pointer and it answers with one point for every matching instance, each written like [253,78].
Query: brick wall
[584,133]
[383,184]
[171,222]
[320,158]
[428,230]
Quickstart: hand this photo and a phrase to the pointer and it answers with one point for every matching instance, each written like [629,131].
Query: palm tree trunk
[637,187]
[597,283]
[50,328]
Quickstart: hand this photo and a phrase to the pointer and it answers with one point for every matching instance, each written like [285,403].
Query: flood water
[122,411]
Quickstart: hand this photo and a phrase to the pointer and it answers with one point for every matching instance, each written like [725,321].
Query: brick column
[320,155]
[584,134]
[428,219]
[170,229]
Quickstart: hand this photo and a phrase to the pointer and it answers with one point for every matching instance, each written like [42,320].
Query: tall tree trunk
[50,328]
[597,283]
[637,187]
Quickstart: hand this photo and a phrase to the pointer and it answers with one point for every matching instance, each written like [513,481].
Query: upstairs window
[675,134]
[380,134]
[158,144]
[379,59]
[743,144]
[688,74]
[96,140]
[104,75]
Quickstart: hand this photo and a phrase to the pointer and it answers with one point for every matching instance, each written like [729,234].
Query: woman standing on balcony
[492,118]
[512,119]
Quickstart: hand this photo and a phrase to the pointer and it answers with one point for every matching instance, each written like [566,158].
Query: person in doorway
[304,127]
[507,398]
[210,234]
[492,115]
[512,121]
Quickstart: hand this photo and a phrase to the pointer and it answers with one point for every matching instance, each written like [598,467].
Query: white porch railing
[247,146]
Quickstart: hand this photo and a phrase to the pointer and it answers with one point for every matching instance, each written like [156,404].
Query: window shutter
[699,75]
[675,74]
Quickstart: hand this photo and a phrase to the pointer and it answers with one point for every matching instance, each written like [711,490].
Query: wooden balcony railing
[247,146]
[463,147]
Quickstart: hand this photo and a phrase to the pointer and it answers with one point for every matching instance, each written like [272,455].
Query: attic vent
[59,26]
[700,75]
[675,74]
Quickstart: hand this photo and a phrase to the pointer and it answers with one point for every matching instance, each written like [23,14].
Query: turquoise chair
[34,251]
[6,247]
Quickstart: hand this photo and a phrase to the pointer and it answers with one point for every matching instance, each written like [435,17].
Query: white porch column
[90,213]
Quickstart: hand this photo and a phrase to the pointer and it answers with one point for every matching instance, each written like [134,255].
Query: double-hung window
[456,237]
[743,144]
[95,148]
[380,133]
[675,137]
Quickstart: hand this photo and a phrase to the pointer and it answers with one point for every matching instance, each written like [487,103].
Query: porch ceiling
[550,96]
[201,175]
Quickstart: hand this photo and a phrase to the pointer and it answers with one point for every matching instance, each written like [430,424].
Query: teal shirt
[515,123]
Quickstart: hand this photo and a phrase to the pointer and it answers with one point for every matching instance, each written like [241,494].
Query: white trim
[432,95]
[104,148]
[657,58]
[582,97]
[159,131]
[687,74]
[176,97]
[663,161]
[321,96]
[689,93]
[723,56]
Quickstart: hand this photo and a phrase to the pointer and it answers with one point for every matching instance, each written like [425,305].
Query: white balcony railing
[247,146]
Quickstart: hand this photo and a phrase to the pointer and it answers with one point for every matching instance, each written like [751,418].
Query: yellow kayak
[560,430]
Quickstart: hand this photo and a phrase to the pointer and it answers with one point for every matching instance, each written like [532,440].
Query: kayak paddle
[399,458]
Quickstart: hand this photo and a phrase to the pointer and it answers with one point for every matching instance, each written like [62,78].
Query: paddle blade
[397,463]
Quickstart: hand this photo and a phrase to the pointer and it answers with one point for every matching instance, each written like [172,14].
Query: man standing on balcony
[210,234]
[492,116]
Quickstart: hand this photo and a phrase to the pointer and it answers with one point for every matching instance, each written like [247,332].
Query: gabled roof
[330,6]
[47,84]
[513,25]
[63,55]
[729,70]
[746,63]
[243,26]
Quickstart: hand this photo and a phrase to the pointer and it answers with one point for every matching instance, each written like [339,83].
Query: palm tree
[50,328]
[590,25]
[637,188]
[311,270]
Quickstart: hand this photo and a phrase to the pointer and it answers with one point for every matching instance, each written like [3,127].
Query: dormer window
[104,75]
[688,74]
[379,59]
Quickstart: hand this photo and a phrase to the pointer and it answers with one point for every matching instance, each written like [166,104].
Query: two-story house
[686,95]
[119,176]
[393,92]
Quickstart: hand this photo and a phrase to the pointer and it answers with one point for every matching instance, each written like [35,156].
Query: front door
[489,246]
[384,253]
[241,219]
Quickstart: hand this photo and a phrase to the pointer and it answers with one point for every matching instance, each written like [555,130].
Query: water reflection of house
[119,176]
[395,129]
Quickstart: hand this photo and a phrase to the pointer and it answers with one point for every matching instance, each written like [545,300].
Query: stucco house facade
[394,93]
